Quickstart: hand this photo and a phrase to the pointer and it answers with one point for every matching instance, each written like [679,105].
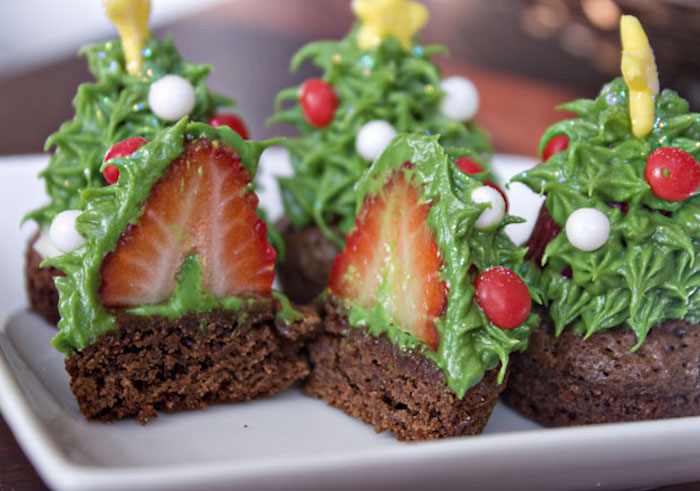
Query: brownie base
[43,296]
[374,381]
[308,260]
[565,381]
[152,364]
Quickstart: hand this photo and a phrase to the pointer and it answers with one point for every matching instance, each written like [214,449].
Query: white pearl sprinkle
[490,217]
[373,138]
[63,233]
[171,97]
[44,247]
[461,100]
[587,229]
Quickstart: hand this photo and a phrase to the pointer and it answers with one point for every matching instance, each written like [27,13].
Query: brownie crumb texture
[372,380]
[568,381]
[308,260]
[43,296]
[152,364]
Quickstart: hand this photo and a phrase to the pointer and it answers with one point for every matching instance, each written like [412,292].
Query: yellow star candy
[639,70]
[130,17]
[380,18]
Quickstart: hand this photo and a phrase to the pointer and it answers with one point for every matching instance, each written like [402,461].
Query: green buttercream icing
[469,343]
[110,109]
[109,210]
[385,82]
[646,271]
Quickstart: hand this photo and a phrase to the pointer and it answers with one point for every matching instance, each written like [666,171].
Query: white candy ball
[44,247]
[373,138]
[63,233]
[461,99]
[171,97]
[490,217]
[587,229]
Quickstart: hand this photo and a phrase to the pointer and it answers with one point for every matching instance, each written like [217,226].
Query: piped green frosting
[385,82]
[108,211]
[469,343]
[110,109]
[646,271]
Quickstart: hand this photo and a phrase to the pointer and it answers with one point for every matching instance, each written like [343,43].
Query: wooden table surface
[249,43]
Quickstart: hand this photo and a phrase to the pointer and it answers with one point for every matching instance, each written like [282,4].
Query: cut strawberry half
[202,205]
[392,248]
[546,229]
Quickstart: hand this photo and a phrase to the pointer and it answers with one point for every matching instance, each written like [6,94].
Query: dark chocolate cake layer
[152,364]
[307,264]
[372,380]
[43,296]
[568,381]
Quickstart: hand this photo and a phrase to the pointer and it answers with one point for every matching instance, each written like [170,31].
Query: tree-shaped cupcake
[377,81]
[423,306]
[615,255]
[141,87]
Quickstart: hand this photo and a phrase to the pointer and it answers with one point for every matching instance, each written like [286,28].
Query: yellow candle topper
[380,18]
[639,70]
[130,17]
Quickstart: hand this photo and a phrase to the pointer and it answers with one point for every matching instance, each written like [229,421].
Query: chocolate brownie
[400,391]
[308,260]
[43,296]
[562,381]
[153,364]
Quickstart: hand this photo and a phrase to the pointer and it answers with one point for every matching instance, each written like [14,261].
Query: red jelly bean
[503,296]
[673,174]
[318,102]
[122,149]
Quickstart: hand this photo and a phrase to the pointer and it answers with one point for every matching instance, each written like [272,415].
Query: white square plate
[291,441]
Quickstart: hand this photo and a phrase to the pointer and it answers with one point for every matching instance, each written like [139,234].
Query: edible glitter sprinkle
[101,54]
[611,99]
[417,51]
[147,52]
[113,66]
[336,58]
[366,62]
[427,132]
[351,109]
[138,107]
[429,89]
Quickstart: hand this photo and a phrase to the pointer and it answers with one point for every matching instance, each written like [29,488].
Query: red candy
[232,121]
[503,297]
[673,174]
[318,102]
[557,144]
[468,166]
[122,149]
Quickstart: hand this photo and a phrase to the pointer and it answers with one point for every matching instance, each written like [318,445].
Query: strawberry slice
[392,248]
[203,205]
[546,229]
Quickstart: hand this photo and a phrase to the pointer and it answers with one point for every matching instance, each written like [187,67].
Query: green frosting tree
[470,341]
[110,109]
[646,270]
[388,81]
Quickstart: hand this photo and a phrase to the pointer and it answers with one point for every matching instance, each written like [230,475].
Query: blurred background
[525,56]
